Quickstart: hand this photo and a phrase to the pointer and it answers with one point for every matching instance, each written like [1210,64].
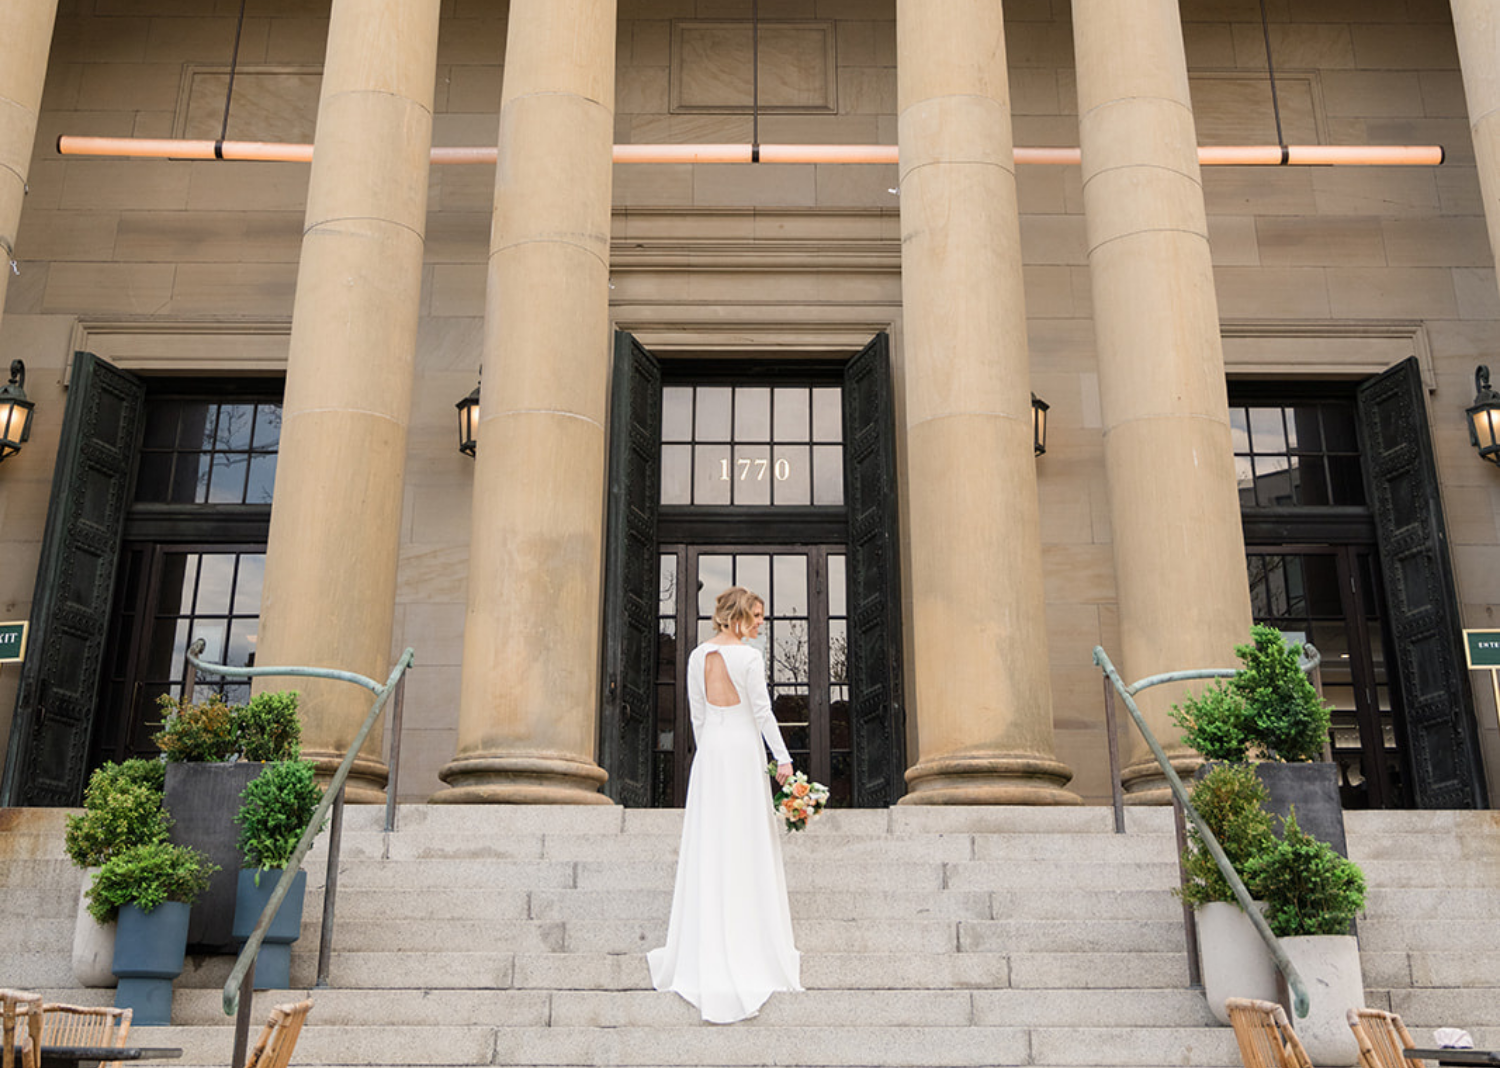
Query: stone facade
[1330,273]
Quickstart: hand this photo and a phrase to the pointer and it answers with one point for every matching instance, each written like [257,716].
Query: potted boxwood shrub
[150,889]
[276,808]
[212,751]
[1312,896]
[122,807]
[1235,960]
[1270,714]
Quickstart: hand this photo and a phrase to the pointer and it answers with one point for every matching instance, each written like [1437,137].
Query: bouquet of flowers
[798,800]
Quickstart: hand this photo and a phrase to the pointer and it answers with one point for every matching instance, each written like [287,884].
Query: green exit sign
[12,642]
[1483,648]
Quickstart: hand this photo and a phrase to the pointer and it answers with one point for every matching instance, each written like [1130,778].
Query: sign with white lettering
[1482,648]
[12,643]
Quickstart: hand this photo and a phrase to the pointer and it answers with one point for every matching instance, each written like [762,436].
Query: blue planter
[149,949]
[273,965]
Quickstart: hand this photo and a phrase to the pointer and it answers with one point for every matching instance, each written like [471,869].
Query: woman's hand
[783,773]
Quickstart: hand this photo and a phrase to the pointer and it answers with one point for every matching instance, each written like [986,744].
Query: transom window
[752,445]
[209,452]
[1296,457]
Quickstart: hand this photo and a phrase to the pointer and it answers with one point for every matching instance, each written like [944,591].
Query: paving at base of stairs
[496,935]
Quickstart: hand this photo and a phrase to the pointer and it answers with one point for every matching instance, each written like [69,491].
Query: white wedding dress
[729,944]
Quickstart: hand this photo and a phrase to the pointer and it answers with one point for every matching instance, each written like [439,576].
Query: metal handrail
[236,1003]
[1294,982]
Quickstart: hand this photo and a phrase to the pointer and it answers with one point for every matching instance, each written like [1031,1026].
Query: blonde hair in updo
[735,605]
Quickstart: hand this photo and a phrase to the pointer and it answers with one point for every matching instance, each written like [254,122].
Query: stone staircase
[1001,936]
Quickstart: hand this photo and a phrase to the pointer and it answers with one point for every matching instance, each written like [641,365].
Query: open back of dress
[729,944]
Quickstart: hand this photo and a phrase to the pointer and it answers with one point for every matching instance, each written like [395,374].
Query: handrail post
[330,891]
[393,773]
[242,1020]
[1189,919]
[1111,726]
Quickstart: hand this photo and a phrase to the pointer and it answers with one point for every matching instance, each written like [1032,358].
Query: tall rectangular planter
[203,800]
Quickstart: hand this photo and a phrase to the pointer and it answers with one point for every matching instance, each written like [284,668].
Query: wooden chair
[1265,1035]
[1382,1039]
[273,1049]
[22,1026]
[79,1025]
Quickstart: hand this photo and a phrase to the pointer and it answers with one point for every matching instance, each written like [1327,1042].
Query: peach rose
[799,789]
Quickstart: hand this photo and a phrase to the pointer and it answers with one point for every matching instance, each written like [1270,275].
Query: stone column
[25,42]
[330,580]
[527,710]
[1476,25]
[1179,553]
[981,680]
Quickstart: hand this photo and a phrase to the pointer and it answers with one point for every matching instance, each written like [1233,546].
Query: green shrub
[147,875]
[1230,799]
[122,807]
[1283,713]
[202,731]
[268,728]
[1308,888]
[1213,723]
[275,809]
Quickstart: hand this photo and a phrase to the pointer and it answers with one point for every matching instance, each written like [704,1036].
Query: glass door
[805,642]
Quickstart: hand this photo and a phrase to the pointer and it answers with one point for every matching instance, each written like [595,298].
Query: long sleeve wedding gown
[729,943]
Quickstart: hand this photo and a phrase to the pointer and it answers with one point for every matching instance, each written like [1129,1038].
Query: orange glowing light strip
[1214,156]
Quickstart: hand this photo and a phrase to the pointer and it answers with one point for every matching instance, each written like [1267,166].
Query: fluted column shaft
[1476,25]
[1179,552]
[527,716]
[981,680]
[330,580]
[25,42]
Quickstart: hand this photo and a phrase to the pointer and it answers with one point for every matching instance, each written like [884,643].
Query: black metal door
[1439,732]
[47,759]
[627,705]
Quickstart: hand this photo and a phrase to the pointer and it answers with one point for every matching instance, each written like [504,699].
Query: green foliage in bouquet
[275,809]
[1268,710]
[268,728]
[1229,798]
[122,807]
[196,731]
[146,876]
[1308,888]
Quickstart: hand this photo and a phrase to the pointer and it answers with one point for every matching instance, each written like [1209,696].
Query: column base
[989,779]
[1144,783]
[367,778]
[521,780]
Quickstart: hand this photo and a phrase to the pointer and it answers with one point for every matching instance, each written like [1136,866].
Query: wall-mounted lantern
[1039,424]
[15,411]
[468,420]
[1484,417]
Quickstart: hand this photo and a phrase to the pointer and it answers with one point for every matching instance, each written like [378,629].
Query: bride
[729,944]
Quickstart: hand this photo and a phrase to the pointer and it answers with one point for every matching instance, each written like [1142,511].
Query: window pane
[790,576]
[793,484]
[792,414]
[838,657]
[1239,429]
[195,425]
[752,414]
[267,434]
[828,474]
[827,414]
[242,635]
[215,584]
[715,575]
[153,478]
[677,413]
[235,424]
[837,570]
[754,574]
[262,480]
[751,474]
[247,586]
[676,474]
[227,481]
[713,413]
[1266,432]
[711,474]
[161,425]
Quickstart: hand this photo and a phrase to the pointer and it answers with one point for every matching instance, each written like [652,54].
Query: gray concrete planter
[1329,966]
[273,965]
[1314,790]
[1236,962]
[93,942]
